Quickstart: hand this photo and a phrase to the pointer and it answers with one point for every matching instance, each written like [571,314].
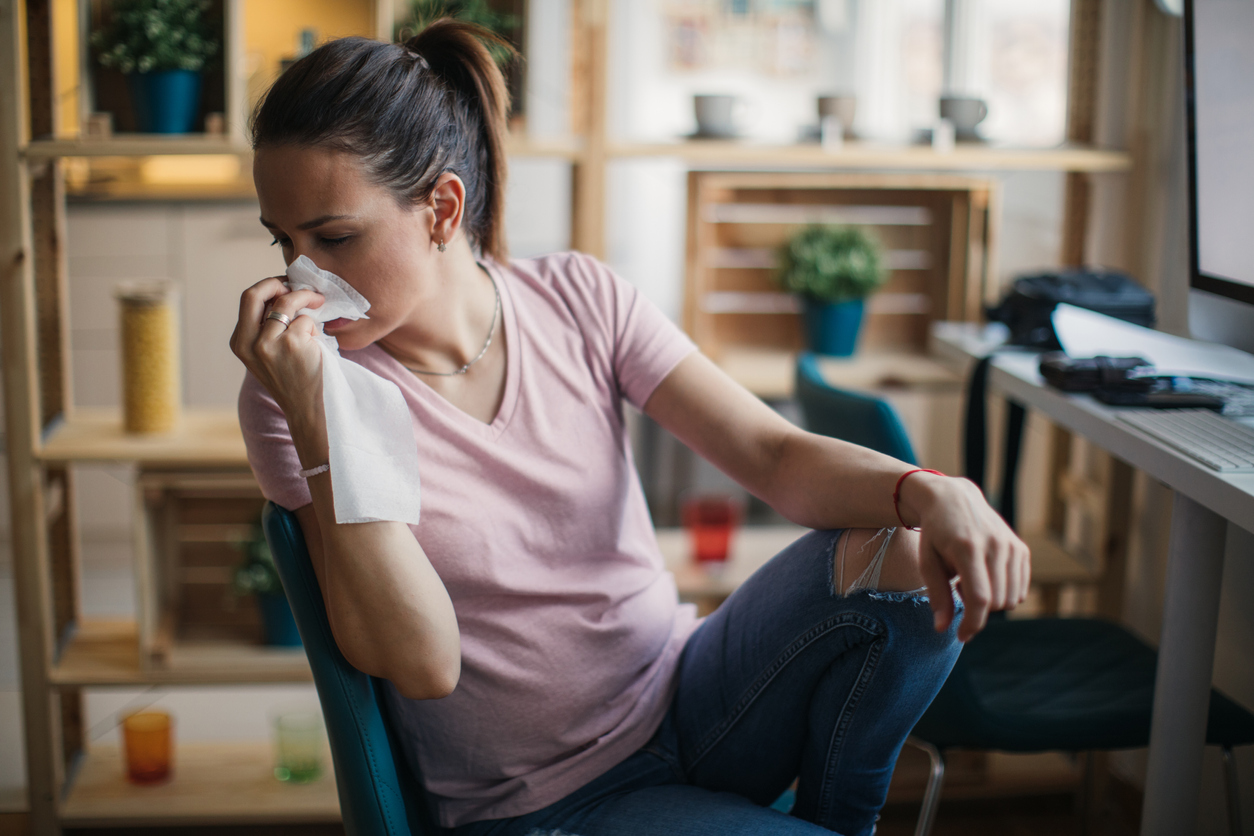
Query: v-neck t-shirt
[537,525]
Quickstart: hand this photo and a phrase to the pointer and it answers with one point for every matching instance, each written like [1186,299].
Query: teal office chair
[850,416]
[1024,685]
[379,795]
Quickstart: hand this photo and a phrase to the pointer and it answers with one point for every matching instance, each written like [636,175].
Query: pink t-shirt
[536,523]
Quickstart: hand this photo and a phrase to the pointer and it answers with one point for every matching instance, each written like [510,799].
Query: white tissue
[374,457]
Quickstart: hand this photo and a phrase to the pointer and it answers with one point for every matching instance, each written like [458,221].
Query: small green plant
[155,35]
[256,574]
[422,13]
[830,264]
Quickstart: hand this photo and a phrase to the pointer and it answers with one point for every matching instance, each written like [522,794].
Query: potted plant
[833,269]
[161,46]
[257,576]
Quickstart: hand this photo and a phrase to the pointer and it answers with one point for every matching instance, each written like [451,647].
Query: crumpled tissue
[374,456]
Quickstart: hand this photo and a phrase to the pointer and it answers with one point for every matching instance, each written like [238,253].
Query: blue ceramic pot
[277,621]
[833,326]
[165,102]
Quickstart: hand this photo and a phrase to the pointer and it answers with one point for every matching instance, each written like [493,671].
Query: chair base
[936,780]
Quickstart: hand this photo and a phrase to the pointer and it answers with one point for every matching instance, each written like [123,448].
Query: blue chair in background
[1024,685]
[379,795]
[850,416]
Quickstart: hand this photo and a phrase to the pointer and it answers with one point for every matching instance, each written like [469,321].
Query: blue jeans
[786,680]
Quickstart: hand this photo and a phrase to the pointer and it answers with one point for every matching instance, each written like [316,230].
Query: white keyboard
[1219,443]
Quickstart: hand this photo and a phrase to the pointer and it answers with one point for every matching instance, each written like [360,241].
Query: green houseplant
[422,13]
[833,269]
[256,575]
[161,46]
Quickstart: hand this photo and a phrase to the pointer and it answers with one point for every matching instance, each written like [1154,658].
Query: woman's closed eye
[326,242]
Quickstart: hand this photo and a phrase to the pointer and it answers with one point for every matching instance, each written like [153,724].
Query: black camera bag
[1027,307]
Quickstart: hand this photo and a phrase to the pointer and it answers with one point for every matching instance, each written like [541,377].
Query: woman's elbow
[434,680]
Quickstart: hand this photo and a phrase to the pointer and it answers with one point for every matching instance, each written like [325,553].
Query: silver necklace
[496,312]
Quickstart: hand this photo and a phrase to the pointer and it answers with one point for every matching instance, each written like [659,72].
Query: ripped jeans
[788,679]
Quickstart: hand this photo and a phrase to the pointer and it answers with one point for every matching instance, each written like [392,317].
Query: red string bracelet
[897,494]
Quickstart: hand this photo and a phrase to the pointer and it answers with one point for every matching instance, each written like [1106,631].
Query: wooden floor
[1039,815]
[1033,795]
[1053,815]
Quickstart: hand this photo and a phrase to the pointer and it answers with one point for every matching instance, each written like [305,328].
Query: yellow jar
[150,356]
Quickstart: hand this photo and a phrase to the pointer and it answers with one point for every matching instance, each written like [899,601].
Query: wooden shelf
[157,145]
[520,145]
[768,373]
[134,145]
[135,190]
[854,155]
[107,653]
[857,155]
[204,438]
[212,783]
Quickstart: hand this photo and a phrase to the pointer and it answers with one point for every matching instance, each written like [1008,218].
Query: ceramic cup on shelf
[716,115]
[965,112]
[842,107]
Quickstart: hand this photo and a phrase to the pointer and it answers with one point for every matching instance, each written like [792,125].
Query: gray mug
[716,115]
[843,108]
[965,112]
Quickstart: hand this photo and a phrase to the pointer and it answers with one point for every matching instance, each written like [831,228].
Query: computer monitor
[1219,98]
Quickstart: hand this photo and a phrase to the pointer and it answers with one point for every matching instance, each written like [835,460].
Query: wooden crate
[937,232]
[186,553]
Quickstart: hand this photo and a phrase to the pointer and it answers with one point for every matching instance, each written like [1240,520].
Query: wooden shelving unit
[867,156]
[105,653]
[61,652]
[937,231]
[211,784]
[204,438]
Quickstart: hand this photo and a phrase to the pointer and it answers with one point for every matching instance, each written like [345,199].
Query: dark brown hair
[410,111]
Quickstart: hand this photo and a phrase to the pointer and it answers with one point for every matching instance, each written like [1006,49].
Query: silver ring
[281,317]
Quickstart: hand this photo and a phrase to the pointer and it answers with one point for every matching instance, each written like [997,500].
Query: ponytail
[410,112]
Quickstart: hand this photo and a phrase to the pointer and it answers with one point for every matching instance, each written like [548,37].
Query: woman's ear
[448,201]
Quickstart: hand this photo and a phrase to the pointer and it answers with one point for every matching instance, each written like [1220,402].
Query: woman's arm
[389,612]
[822,482]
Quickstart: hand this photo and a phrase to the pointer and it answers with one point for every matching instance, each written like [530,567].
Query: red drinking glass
[710,519]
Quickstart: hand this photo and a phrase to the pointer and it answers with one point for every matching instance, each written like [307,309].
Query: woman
[543,676]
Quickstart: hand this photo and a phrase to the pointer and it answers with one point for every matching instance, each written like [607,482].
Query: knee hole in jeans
[877,561]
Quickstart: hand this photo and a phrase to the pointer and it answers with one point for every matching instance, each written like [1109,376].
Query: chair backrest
[379,795]
[850,416]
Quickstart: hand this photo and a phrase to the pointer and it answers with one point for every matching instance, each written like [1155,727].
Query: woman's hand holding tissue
[393,601]
[286,359]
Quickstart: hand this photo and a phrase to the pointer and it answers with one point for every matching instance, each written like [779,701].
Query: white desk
[1205,501]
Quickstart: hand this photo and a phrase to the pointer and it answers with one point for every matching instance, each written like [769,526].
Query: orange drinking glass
[711,519]
[146,737]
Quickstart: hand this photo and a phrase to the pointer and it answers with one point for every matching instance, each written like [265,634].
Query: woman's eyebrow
[319,221]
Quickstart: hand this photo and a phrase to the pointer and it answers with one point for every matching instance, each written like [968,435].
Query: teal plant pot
[277,622]
[832,327]
[165,102]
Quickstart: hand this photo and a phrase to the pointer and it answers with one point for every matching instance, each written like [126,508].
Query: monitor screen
[1219,78]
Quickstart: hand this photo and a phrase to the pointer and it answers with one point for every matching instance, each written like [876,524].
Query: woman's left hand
[963,537]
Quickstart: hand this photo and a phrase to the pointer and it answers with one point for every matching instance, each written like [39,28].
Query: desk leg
[1186,656]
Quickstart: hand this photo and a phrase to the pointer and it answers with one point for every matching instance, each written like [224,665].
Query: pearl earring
[440,246]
